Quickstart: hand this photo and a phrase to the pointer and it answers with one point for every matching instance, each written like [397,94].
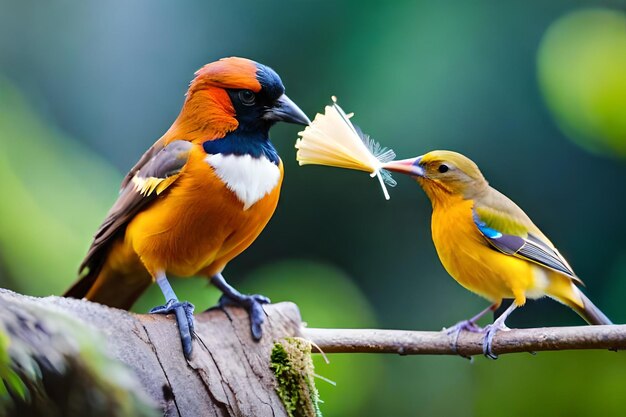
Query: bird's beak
[406,166]
[286,110]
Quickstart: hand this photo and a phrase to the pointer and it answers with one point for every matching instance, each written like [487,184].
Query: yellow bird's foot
[468,325]
[184,319]
[455,331]
[253,304]
[490,332]
[492,329]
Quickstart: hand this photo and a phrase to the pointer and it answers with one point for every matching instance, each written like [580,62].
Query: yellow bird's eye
[443,168]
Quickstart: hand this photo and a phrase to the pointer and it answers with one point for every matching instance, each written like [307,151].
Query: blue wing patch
[508,244]
[485,230]
[530,247]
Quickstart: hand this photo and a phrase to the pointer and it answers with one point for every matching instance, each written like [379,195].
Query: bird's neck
[206,114]
[440,198]
[243,142]
[443,197]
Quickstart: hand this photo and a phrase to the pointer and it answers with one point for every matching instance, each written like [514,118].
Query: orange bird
[197,198]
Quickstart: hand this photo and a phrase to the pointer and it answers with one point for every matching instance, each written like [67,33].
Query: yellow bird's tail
[565,291]
[589,311]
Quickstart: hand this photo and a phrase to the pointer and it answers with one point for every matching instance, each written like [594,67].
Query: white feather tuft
[332,140]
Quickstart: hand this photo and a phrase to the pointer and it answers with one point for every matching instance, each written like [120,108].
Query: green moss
[293,367]
[10,382]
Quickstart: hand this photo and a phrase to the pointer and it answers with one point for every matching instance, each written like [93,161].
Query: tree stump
[228,375]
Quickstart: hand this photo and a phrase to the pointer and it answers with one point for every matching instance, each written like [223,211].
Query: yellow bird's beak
[406,166]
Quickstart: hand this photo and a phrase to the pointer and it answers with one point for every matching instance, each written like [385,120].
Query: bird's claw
[490,332]
[466,325]
[184,319]
[244,301]
[455,331]
[253,305]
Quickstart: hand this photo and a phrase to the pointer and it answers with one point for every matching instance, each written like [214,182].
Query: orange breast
[198,225]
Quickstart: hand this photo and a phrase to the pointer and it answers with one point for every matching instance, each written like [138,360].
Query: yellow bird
[489,245]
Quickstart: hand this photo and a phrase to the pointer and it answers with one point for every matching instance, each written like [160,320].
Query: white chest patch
[249,178]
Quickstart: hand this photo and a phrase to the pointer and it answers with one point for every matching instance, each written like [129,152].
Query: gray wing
[145,158]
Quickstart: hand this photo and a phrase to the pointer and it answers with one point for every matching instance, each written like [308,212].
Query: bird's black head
[258,97]
[261,109]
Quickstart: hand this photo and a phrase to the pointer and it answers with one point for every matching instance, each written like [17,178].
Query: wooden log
[228,375]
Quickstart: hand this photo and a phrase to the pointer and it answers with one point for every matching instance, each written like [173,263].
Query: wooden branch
[404,342]
[229,374]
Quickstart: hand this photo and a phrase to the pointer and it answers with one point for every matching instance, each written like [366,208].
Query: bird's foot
[467,325]
[253,305]
[490,332]
[455,331]
[184,318]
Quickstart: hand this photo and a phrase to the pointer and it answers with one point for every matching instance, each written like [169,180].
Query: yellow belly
[473,263]
[197,225]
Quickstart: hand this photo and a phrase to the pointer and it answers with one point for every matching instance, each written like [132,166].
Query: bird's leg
[252,303]
[468,325]
[492,329]
[183,311]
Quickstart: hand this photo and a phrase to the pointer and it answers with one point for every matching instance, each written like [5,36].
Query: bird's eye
[443,168]
[247,97]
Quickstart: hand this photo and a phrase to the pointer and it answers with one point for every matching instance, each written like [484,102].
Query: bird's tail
[564,290]
[115,284]
[589,311]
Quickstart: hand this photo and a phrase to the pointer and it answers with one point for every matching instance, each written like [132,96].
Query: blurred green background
[534,92]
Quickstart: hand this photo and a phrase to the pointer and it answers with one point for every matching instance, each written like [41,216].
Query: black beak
[285,110]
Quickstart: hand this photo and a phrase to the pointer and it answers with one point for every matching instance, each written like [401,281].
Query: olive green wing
[508,229]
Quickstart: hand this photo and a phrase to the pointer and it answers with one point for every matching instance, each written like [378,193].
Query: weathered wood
[228,374]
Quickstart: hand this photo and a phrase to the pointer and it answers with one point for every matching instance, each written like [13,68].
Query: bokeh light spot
[582,75]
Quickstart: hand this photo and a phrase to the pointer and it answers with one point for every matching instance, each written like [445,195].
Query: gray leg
[183,311]
[492,329]
[468,325]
